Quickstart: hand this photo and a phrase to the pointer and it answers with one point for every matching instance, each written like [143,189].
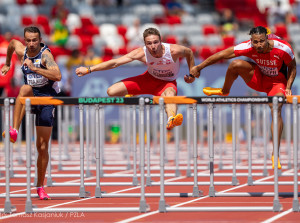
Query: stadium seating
[104,27]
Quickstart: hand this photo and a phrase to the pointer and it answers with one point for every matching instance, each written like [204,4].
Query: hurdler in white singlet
[163,68]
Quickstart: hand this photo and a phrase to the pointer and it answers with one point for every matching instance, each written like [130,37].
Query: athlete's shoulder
[246,45]
[283,46]
[137,53]
[282,43]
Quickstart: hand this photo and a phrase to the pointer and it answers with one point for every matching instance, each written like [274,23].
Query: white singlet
[163,68]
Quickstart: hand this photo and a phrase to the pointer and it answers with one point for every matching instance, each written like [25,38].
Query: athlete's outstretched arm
[182,51]
[13,46]
[137,54]
[292,71]
[52,72]
[224,54]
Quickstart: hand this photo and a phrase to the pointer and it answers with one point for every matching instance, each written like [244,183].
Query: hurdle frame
[276,204]
[29,208]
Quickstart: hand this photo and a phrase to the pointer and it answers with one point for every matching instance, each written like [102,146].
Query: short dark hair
[32,29]
[151,31]
[258,30]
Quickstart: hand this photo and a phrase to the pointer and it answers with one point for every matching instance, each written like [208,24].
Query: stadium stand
[104,26]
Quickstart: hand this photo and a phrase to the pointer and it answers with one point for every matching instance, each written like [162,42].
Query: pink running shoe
[42,194]
[13,134]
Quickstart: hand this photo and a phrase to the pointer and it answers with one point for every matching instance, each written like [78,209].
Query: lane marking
[276,217]
[191,201]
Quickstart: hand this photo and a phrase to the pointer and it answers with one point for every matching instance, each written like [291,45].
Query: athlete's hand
[195,72]
[189,79]
[4,69]
[29,64]
[81,71]
[288,92]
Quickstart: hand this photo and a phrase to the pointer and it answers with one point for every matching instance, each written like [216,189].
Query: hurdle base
[144,207]
[148,181]
[98,192]
[188,173]
[88,173]
[83,193]
[212,192]
[11,173]
[8,207]
[177,173]
[220,166]
[234,181]
[277,206]
[49,182]
[196,192]
[28,207]
[162,207]
[296,206]
[265,173]
[135,181]
[250,181]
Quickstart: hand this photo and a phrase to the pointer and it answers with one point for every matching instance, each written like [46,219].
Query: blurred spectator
[60,31]
[134,34]
[296,9]
[173,7]
[185,42]
[5,81]
[277,14]
[228,24]
[76,59]
[12,90]
[119,3]
[105,3]
[59,10]
[91,59]
[4,44]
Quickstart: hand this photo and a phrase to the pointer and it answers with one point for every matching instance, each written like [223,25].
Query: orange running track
[113,153]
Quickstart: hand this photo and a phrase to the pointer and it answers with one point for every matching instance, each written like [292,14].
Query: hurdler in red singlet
[270,74]
[270,67]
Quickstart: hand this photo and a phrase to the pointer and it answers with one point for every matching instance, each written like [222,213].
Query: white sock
[170,118]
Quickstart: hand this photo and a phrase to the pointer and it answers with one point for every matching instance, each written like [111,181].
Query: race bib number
[36,80]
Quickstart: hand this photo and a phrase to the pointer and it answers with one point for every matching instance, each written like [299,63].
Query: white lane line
[187,202]
[276,217]
[84,199]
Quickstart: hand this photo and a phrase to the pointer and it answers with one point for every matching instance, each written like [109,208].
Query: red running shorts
[270,85]
[147,84]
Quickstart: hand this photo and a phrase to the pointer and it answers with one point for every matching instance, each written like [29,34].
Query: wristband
[89,70]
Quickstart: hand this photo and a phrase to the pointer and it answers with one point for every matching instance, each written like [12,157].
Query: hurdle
[8,208]
[29,208]
[276,205]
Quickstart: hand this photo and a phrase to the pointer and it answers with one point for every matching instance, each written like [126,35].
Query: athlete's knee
[42,148]
[26,90]
[235,64]
[169,92]
[111,92]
